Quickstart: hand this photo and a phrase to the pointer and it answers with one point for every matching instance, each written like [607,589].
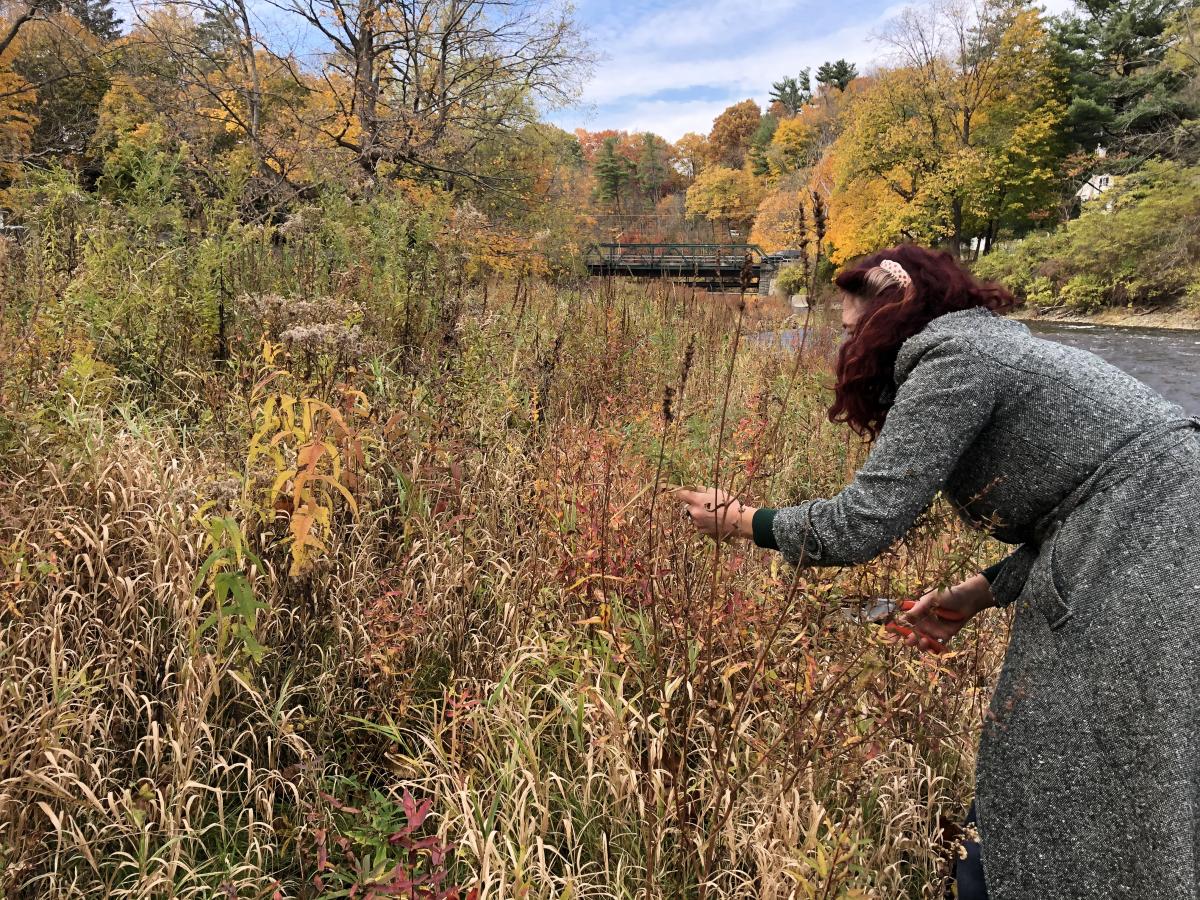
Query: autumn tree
[417,84]
[959,64]
[235,107]
[65,65]
[591,142]
[780,222]
[794,145]
[549,184]
[1021,133]
[962,139]
[729,139]
[692,153]
[17,119]
[53,72]
[722,194]
[13,19]
[884,165]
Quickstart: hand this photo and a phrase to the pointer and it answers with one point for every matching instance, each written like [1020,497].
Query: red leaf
[322,851]
[338,805]
[417,813]
[410,806]
[422,814]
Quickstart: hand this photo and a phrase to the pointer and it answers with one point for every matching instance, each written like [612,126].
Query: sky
[671,66]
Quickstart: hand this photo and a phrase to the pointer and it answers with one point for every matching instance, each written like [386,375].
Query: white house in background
[1096,183]
[1094,187]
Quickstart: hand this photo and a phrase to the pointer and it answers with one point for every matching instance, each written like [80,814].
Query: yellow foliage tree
[779,222]
[863,216]
[724,194]
[957,144]
[794,145]
[17,118]
[692,153]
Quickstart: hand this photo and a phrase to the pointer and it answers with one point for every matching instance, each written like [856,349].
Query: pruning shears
[884,610]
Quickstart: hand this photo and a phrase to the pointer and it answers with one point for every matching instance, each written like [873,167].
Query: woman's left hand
[714,512]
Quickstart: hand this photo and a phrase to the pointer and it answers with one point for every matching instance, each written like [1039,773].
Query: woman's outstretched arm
[947,398]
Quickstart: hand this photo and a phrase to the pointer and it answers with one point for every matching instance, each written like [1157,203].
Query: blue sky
[670,66]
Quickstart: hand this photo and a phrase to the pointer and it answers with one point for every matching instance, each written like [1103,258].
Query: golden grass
[514,626]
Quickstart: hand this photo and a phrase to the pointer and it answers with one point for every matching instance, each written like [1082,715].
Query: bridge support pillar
[766,275]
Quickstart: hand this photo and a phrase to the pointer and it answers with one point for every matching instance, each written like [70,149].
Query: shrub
[1084,293]
[1144,250]
[1191,297]
[1040,292]
[790,280]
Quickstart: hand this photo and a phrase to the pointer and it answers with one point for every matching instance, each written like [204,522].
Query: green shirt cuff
[993,570]
[763,525]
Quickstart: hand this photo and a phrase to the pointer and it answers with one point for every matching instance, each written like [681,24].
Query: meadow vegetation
[1140,246]
[335,555]
[334,565]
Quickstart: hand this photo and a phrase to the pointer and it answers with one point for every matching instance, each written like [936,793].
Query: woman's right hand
[929,629]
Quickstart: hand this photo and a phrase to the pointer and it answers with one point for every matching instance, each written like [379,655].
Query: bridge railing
[674,257]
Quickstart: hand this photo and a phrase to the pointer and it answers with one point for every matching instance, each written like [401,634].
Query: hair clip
[897,272]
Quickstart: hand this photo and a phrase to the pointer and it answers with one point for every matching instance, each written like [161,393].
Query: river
[1166,359]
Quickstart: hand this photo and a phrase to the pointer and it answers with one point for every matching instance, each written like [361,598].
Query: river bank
[1175,317]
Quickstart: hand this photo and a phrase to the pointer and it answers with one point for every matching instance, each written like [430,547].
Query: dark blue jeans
[969,872]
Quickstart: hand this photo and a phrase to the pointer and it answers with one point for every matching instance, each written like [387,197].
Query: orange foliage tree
[729,139]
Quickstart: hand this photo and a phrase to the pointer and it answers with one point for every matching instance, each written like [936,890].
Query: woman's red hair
[892,314]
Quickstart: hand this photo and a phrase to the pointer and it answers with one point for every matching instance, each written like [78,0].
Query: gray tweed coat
[1088,777]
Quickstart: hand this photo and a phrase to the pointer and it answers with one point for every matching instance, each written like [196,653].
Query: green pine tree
[652,167]
[837,74]
[1123,95]
[759,142]
[97,16]
[613,172]
[792,93]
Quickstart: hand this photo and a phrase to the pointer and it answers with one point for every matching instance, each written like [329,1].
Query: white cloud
[624,86]
[721,50]
[717,22]
[669,118]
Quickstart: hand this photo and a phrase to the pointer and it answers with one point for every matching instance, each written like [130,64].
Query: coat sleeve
[1011,574]
[947,398]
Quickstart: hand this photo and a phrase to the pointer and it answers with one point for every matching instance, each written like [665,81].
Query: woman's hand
[714,512]
[930,629]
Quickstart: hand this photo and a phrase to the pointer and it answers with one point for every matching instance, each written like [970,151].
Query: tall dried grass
[514,627]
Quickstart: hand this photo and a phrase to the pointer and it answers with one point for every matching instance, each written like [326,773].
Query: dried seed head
[668,410]
[688,355]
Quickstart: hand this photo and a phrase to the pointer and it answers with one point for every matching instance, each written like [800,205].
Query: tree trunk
[956,240]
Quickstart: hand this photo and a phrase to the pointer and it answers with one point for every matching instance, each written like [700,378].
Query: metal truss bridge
[713,266]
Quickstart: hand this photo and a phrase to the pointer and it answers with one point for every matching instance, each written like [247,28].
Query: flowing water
[1166,359]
